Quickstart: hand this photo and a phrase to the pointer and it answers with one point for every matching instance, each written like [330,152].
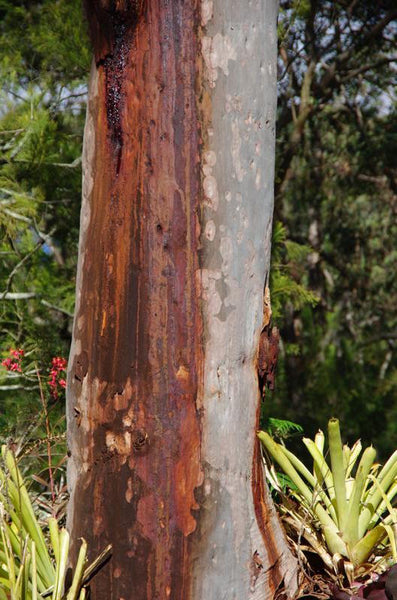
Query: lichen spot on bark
[210,186]
[217,51]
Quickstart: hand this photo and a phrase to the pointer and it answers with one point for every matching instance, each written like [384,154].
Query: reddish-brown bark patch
[135,379]
[266,524]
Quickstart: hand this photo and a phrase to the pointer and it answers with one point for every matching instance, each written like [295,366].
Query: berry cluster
[13,362]
[57,372]
[57,375]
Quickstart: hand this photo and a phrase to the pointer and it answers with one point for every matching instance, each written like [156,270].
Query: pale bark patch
[210,230]
[217,51]
[207,7]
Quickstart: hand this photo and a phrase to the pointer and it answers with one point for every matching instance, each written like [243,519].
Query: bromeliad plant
[31,566]
[343,510]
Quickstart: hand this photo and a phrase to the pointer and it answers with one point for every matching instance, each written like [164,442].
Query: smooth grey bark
[239,49]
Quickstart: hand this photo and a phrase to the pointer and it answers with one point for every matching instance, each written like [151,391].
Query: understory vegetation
[34,549]
[341,511]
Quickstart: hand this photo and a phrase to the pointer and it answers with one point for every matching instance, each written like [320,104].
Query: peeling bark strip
[174,248]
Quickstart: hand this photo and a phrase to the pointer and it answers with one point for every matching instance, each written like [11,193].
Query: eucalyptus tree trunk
[163,397]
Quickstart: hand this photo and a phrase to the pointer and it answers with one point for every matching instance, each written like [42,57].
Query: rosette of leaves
[34,559]
[342,508]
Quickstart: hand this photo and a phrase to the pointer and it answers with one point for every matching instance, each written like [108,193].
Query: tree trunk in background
[163,397]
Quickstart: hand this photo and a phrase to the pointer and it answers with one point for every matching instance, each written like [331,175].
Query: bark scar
[80,366]
[268,357]
[268,348]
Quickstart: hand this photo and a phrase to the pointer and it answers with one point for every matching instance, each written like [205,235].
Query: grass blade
[78,573]
[61,565]
[365,546]
[318,491]
[34,572]
[350,533]
[338,472]
[376,495]
[354,454]
[54,536]
[321,466]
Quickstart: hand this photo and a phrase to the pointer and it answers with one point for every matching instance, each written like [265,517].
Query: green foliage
[34,558]
[283,429]
[43,69]
[345,507]
[336,198]
[42,40]
[280,429]
[291,11]
[287,272]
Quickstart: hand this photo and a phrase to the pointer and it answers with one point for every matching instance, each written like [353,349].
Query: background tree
[336,194]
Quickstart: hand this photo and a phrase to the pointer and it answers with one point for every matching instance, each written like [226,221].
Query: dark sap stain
[114,66]
[117,25]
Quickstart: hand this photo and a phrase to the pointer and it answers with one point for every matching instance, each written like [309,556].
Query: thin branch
[364,68]
[344,56]
[378,180]
[385,364]
[5,388]
[48,431]
[379,338]
[70,96]
[390,16]
[73,165]
[351,7]
[14,94]
[16,216]
[17,295]
[288,62]
[7,131]
[47,238]
[57,308]
[18,266]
